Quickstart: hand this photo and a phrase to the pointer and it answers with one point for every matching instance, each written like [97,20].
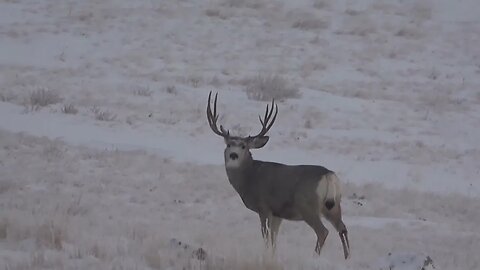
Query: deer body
[277,191]
[281,189]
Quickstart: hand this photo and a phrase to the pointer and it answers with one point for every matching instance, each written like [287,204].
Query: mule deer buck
[277,191]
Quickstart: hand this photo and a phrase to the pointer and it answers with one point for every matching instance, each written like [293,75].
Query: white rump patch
[328,189]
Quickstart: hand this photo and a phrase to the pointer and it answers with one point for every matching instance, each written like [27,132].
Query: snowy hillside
[106,155]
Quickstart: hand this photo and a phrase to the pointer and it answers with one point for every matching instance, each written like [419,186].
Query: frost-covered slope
[386,94]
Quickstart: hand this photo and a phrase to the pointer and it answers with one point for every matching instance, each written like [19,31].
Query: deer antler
[266,119]
[213,117]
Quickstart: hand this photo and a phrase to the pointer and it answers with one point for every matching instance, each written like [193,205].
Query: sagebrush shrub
[102,115]
[43,97]
[270,87]
[69,109]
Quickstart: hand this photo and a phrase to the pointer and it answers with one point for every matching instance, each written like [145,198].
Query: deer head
[237,150]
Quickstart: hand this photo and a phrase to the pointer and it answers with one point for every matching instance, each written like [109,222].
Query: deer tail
[332,193]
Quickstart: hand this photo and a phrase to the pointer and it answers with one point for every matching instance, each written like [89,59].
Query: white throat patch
[230,163]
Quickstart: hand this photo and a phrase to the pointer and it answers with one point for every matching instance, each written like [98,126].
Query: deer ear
[258,142]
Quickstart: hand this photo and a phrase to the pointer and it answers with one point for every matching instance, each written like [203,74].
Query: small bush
[103,115]
[143,91]
[7,97]
[253,4]
[215,13]
[265,88]
[212,12]
[309,67]
[320,4]
[421,11]
[358,25]
[477,96]
[50,235]
[215,81]
[410,33]
[171,89]
[244,264]
[3,228]
[6,185]
[195,81]
[43,97]
[69,109]
[308,124]
[310,24]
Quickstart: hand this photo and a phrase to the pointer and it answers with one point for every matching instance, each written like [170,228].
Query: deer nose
[233,156]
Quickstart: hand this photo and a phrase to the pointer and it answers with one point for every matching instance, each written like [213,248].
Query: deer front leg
[273,225]
[264,228]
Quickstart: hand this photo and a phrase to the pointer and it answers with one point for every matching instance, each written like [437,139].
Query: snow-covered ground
[386,93]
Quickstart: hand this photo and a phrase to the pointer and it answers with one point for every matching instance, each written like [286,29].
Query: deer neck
[239,176]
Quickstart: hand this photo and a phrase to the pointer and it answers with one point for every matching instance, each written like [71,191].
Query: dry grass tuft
[239,264]
[43,97]
[3,228]
[7,96]
[357,24]
[69,109]
[143,91]
[321,4]
[171,89]
[103,115]
[215,13]
[310,24]
[411,32]
[421,11]
[265,88]
[252,4]
[50,235]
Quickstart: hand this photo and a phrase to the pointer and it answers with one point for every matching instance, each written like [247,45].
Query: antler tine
[210,116]
[274,117]
[266,123]
[224,131]
[215,107]
[265,117]
[268,114]
[271,111]
[213,117]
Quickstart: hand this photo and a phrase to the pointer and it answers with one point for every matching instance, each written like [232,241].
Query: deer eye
[243,146]
[228,145]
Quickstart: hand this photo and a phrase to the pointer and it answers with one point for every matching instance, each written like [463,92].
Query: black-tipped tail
[329,204]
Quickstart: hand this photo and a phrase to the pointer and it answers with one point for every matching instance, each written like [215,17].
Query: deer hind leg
[314,221]
[334,215]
